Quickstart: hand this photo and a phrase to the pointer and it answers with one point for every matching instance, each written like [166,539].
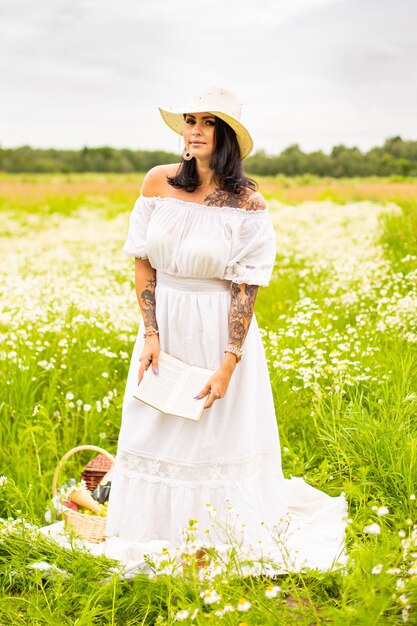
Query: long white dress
[225,470]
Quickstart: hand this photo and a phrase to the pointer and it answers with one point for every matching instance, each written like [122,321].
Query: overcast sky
[313,72]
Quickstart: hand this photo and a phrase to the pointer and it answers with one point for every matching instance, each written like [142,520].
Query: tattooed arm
[240,315]
[241,312]
[145,283]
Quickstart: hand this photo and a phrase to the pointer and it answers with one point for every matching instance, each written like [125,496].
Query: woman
[203,243]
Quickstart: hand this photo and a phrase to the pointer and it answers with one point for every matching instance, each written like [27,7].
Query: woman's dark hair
[226,164]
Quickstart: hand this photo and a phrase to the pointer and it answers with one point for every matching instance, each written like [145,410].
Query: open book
[173,389]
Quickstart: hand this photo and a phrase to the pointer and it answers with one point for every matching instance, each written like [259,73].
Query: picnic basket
[96,470]
[90,527]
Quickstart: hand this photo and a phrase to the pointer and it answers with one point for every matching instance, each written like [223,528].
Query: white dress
[225,470]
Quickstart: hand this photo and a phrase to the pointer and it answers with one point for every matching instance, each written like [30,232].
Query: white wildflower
[87,407]
[243,605]
[383,510]
[372,529]
[212,511]
[182,615]
[48,568]
[272,591]
[3,480]
[210,596]
[377,569]
[228,608]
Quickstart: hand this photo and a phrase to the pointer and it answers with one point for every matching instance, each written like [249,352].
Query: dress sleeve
[138,226]
[253,249]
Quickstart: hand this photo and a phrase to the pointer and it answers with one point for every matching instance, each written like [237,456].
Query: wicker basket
[90,527]
[94,472]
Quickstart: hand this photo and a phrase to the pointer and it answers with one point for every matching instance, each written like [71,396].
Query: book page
[155,389]
[173,389]
[182,402]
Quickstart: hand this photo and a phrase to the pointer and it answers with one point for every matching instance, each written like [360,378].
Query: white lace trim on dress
[206,474]
[241,273]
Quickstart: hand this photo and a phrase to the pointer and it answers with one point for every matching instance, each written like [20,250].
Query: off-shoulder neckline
[207,206]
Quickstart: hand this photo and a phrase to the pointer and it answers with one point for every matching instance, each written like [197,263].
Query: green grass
[340,334]
[400,235]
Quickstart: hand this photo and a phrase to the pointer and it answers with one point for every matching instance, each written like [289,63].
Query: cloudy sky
[313,72]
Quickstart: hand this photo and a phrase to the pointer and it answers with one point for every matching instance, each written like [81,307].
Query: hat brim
[175,120]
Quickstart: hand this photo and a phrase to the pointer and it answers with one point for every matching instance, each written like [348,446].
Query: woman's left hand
[216,385]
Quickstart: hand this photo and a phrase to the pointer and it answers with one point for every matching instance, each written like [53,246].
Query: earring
[187,156]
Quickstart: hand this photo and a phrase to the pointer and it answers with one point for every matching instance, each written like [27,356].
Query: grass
[340,333]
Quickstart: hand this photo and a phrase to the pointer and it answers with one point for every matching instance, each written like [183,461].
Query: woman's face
[198,134]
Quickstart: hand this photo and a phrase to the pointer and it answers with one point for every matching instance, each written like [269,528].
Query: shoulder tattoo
[249,202]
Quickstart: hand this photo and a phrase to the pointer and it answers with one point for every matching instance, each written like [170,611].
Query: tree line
[395,157]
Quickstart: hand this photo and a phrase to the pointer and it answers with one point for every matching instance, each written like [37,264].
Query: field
[340,331]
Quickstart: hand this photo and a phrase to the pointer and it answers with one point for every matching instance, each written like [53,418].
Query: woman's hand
[150,355]
[217,384]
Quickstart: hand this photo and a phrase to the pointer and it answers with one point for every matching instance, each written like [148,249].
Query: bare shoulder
[248,199]
[254,201]
[156,179]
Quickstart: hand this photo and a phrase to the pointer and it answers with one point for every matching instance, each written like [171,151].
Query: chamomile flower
[182,615]
[210,596]
[272,591]
[372,529]
[243,605]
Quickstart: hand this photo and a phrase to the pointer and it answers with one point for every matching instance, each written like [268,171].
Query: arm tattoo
[250,202]
[149,303]
[241,311]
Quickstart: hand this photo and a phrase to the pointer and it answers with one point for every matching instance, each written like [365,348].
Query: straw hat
[217,101]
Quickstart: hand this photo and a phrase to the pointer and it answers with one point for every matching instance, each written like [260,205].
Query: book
[172,391]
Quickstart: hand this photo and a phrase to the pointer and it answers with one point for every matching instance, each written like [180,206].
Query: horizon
[254,151]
